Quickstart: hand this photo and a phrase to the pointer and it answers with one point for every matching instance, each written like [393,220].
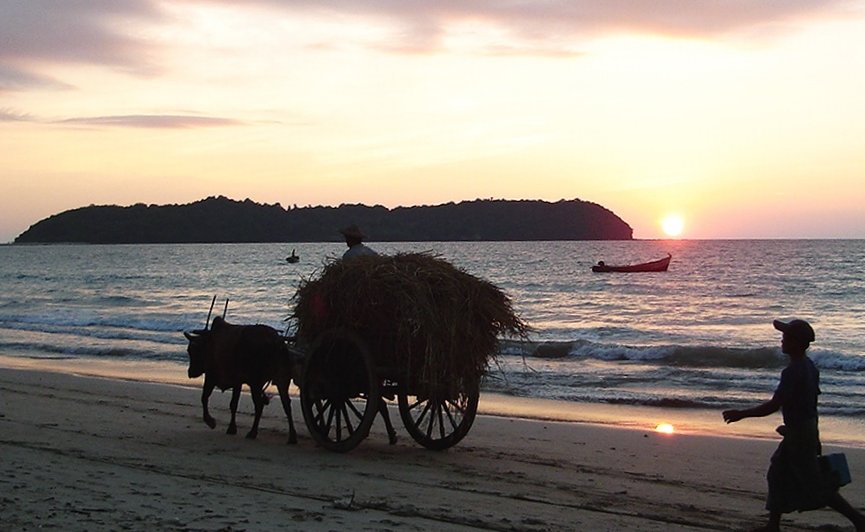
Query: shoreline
[95,453]
[837,432]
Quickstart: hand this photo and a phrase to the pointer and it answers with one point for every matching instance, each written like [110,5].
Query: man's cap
[352,231]
[799,329]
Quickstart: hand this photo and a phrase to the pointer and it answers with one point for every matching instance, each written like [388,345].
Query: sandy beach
[91,453]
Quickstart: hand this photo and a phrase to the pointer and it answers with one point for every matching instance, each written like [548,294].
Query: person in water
[794,478]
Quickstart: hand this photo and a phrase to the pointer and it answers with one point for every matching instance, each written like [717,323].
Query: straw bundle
[424,319]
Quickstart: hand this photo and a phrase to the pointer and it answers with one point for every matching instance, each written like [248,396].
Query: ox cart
[343,385]
[409,327]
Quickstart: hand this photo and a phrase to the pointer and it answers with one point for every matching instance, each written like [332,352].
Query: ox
[230,356]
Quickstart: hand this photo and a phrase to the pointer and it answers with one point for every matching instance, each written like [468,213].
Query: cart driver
[354,240]
[356,248]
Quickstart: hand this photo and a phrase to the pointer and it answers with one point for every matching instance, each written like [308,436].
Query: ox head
[197,350]
[198,340]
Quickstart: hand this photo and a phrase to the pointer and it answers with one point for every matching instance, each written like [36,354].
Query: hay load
[425,321]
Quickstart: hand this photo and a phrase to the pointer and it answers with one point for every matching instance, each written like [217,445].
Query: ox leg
[258,401]
[235,398]
[205,398]
[286,405]
[385,415]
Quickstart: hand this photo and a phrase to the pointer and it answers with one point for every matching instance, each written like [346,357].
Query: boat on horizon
[659,265]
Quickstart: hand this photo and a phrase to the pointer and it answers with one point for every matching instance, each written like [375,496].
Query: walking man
[794,478]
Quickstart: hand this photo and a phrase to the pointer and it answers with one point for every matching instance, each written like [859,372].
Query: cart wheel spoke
[321,408]
[330,412]
[348,425]
[354,410]
[439,408]
[447,410]
[429,426]
[339,390]
[439,418]
[423,413]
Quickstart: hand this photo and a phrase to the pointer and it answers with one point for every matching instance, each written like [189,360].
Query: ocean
[682,344]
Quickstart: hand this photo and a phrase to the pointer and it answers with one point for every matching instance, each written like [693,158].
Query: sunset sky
[746,118]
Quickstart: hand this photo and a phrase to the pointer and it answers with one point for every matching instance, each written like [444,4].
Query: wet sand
[89,453]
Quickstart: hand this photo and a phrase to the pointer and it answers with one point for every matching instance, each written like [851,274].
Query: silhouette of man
[794,478]
[354,240]
[356,248]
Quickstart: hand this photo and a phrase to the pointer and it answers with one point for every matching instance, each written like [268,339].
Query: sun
[673,225]
[665,428]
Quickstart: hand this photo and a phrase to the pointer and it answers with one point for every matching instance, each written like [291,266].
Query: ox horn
[209,312]
[224,310]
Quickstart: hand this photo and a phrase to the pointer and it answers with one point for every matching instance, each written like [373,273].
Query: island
[218,219]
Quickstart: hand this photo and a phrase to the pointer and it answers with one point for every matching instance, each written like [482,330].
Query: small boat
[659,265]
[293,258]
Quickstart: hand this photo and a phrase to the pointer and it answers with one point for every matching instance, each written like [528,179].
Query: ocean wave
[98,331]
[662,402]
[90,319]
[837,361]
[60,351]
[96,324]
[33,277]
[714,404]
[687,397]
[681,356]
[122,301]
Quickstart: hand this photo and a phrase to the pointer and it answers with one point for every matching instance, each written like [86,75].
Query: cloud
[38,32]
[153,121]
[130,121]
[35,34]
[14,79]
[423,26]
[10,115]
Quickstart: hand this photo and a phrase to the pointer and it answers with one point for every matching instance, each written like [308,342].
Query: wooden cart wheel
[440,418]
[339,390]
